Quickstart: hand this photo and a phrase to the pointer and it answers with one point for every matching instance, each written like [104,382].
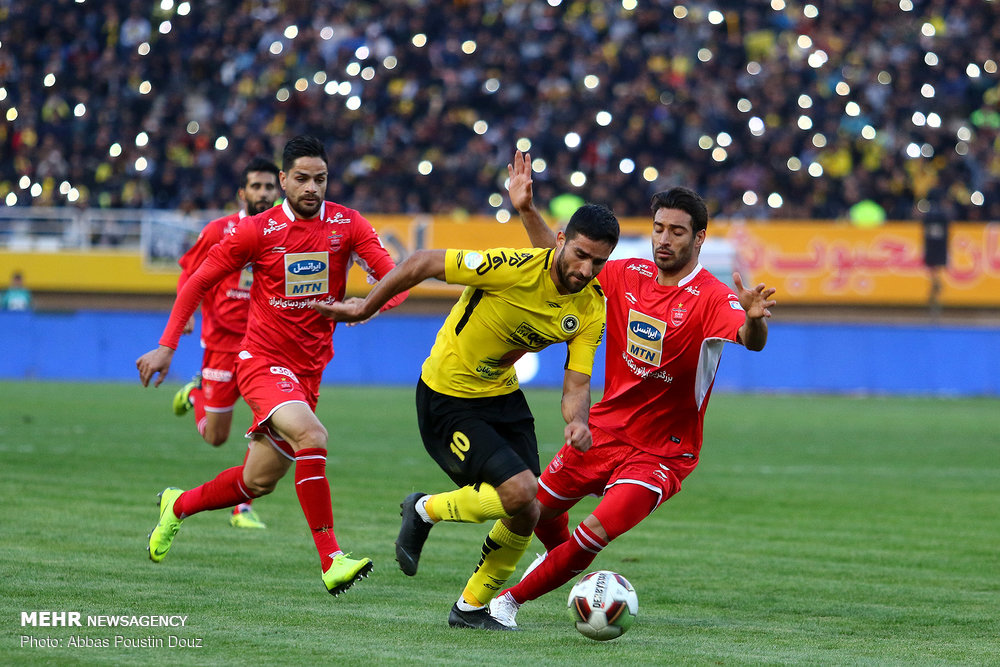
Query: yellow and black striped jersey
[510,306]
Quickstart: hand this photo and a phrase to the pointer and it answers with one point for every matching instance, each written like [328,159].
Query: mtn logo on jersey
[307,273]
[644,337]
[530,338]
[246,278]
[645,331]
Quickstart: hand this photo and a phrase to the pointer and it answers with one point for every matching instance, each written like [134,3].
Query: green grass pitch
[817,530]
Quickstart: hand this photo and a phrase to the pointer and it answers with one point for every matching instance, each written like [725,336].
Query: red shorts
[571,475]
[218,381]
[266,387]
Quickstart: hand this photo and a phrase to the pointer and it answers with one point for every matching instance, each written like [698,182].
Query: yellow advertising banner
[809,262]
[836,263]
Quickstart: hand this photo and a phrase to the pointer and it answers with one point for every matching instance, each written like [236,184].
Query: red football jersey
[226,305]
[663,349]
[294,262]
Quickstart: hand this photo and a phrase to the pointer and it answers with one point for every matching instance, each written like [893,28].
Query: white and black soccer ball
[603,605]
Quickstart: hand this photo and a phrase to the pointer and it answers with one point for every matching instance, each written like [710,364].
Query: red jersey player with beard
[667,321]
[224,310]
[300,252]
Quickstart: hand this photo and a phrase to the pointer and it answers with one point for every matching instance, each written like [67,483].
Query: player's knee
[596,527]
[215,438]
[547,514]
[313,436]
[261,484]
[517,494]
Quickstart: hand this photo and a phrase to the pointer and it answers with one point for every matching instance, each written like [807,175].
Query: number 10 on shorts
[459,445]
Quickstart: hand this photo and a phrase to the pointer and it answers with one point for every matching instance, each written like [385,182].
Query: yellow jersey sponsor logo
[496,259]
[530,338]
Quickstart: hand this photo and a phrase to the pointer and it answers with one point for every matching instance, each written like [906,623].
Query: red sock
[560,565]
[226,490]
[197,398]
[313,490]
[553,532]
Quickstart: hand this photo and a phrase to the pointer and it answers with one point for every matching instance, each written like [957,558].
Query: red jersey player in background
[213,393]
[300,252]
[667,321]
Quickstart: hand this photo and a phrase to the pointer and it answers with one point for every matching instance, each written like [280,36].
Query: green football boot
[166,528]
[344,572]
[243,516]
[182,399]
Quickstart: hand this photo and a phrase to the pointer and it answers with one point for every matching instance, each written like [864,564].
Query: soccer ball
[603,605]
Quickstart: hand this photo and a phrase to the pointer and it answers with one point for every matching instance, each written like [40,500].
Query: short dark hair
[594,221]
[302,146]
[683,199]
[258,164]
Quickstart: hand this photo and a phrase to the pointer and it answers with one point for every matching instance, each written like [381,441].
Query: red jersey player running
[300,252]
[213,393]
[667,321]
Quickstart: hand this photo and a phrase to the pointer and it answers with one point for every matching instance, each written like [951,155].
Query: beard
[305,209]
[258,207]
[572,282]
[678,261]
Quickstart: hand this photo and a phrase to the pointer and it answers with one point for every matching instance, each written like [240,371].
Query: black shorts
[474,440]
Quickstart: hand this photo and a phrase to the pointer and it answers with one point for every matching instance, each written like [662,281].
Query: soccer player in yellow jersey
[473,418]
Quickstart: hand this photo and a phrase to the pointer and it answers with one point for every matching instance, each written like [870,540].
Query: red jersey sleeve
[231,253]
[725,317]
[371,255]
[192,259]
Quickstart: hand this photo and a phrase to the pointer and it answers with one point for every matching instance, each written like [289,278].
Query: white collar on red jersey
[689,277]
[291,216]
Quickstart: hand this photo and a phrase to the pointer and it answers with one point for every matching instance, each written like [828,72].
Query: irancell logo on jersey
[644,337]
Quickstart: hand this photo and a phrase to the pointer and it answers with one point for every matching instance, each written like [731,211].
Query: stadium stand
[771,109]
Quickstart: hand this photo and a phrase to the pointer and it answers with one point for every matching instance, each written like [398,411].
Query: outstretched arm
[576,409]
[757,303]
[414,269]
[155,364]
[521,198]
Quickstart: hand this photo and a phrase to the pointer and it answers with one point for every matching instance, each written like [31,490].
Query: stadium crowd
[775,109]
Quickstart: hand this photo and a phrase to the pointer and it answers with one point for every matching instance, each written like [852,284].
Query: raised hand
[520,181]
[757,301]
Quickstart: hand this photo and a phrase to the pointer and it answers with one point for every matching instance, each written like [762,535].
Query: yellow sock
[466,505]
[501,551]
